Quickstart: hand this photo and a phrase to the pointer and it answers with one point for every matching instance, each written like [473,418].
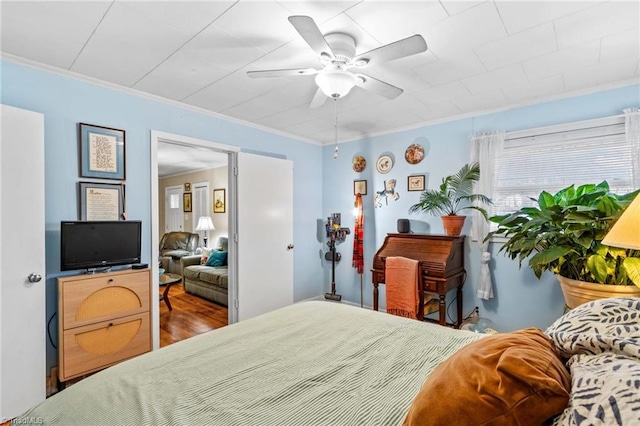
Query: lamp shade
[625,233]
[205,224]
[335,83]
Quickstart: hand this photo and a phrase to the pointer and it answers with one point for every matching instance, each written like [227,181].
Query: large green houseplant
[454,194]
[564,234]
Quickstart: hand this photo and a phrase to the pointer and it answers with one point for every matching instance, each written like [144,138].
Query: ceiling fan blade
[379,87]
[398,49]
[282,73]
[312,35]
[318,99]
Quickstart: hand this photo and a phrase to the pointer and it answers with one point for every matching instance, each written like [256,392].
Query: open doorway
[260,246]
[192,232]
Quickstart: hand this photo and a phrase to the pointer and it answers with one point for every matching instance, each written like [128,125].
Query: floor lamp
[205,224]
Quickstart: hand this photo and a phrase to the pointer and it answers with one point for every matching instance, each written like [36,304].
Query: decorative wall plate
[384,164]
[358,163]
[414,153]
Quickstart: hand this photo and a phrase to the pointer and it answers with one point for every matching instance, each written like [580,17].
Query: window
[201,204]
[174,201]
[552,158]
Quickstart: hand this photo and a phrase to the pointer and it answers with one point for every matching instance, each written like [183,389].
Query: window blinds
[552,158]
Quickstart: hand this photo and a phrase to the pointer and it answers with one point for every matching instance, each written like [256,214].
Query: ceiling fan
[337,52]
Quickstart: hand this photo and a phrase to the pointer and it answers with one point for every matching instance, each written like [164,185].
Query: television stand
[102,319]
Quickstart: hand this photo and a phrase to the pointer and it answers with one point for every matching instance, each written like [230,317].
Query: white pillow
[205,255]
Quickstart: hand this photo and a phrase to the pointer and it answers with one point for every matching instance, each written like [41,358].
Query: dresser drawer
[102,297]
[96,346]
[431,286]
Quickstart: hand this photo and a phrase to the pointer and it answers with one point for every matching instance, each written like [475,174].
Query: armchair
[175,245]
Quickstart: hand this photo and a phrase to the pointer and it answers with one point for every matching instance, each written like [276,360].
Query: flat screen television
[99,244]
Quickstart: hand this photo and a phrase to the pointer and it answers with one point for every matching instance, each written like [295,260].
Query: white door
[173,215]
[22,302]
[265,234]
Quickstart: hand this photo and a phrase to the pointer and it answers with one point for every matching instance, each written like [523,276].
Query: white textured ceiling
[176,159]
[482,55]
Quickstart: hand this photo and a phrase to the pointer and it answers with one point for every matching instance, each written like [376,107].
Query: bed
[312,363]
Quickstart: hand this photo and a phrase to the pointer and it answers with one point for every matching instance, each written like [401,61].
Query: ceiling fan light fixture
[335,83]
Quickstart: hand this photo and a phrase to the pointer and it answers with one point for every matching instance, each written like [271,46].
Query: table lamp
[625,233]
[205,224]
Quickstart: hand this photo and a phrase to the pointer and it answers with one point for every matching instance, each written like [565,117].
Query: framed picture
[415,183]
[360,187]
[102,152]
[186,202]
[219,202]
[187,187]
[101,201]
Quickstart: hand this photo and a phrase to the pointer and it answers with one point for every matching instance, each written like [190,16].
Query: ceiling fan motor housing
[343,47]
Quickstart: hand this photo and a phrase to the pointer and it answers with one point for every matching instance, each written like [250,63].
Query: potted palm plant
[563,234]
[455,194]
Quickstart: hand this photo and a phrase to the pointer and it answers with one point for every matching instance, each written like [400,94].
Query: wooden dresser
[441,267]
[103,319]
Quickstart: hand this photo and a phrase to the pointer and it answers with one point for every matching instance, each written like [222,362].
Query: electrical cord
[449,308]
[49,330]
[464,278]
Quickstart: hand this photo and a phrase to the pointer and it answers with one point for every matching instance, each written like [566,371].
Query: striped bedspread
[312,363]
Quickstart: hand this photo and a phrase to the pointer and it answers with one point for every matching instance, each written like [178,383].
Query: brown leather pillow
[506,379]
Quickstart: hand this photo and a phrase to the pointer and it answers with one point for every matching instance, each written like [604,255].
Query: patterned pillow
[604,391]
[605,325]
[205,256]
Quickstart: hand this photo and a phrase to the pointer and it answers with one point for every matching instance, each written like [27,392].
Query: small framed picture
[101,201]
[187,187]
[219,202]
[102,152]
[415,183]
[186,202]
[360,187]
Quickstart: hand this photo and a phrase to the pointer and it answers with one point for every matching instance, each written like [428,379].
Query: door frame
[231,151]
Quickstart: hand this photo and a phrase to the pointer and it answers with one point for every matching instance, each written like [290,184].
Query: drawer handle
[110,280]
[110,324]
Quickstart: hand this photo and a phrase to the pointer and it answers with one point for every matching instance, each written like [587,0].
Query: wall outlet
[475,314]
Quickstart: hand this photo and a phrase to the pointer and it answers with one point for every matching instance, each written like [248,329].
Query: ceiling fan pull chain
[335,151]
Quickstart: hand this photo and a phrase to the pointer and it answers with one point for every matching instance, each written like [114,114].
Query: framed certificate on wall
[102,152]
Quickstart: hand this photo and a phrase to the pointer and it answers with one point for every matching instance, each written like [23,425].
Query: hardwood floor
[191,315]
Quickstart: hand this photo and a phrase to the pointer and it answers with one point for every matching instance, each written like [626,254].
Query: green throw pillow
[217,258]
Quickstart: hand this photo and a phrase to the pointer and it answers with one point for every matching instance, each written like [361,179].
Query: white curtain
[632,132]
[485,150]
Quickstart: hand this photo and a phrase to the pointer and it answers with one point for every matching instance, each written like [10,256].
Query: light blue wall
[520,299]
[321,185]
[65,102]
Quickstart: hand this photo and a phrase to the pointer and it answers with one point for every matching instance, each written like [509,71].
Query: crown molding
[564,95]
[113,86]
[128,90]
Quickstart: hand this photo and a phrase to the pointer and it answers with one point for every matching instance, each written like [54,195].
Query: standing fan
[337,53]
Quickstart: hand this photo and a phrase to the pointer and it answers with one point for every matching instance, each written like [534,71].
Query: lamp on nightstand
[625,233]
[205,224]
